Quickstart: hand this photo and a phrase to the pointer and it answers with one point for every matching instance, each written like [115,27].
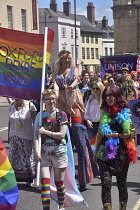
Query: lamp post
[75,31]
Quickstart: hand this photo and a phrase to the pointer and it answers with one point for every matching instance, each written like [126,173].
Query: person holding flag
[55,157]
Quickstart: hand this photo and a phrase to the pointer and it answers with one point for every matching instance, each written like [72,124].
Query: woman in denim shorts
[53,149]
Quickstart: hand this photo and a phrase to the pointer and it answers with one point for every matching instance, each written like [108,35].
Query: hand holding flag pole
[41,103]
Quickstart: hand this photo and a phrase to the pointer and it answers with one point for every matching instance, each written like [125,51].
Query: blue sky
[102,7]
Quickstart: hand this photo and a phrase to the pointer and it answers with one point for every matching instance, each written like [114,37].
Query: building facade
[107,37]
[126,14]
[91,44]
[19,15]
[64,28]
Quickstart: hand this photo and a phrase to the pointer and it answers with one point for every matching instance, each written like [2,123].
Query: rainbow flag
[21,61]
[8,185]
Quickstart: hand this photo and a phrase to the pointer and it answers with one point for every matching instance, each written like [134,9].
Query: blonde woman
[92,114]
[66,83]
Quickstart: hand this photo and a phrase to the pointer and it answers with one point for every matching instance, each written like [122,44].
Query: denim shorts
[54,161]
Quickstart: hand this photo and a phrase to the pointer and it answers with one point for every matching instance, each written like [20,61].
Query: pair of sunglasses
[49,99]
[110,95]
[110,81]
[95,88]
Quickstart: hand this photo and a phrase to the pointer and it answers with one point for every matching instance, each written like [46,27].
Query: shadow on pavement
[23,187]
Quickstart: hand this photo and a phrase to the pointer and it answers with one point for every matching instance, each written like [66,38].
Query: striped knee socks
[60,193]
[45,193]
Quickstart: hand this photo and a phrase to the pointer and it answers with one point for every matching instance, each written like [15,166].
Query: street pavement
[29,197]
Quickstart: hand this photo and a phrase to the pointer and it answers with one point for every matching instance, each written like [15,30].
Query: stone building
[126,14]
[21,15]
[88,36]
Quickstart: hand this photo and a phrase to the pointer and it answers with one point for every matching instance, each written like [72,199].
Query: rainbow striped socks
[60,193]
[45,193]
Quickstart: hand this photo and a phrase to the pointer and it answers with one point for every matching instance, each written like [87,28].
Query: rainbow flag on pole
[21,61]
[8,185]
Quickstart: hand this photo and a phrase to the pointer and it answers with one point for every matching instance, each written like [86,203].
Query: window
[111,51]
[76,34]
[83,53]
[92,53]
[106,51]
[63,32]
[72,35]
[92,38]
[77,50]
[97,53]
[87,38]
[111,34]
[9,17]
[63,47]
[23,18]
[88,53]
[83,38]
[96,38]
[104,36]
[72,51]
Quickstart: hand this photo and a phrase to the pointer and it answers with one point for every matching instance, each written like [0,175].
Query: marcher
[53,150]
[111,81]
[135,80]
[71,102]
[126,85]
[105,79]
[92,114]
[88,92]
[54,154]
[115,148]
[84,84]
[20,137]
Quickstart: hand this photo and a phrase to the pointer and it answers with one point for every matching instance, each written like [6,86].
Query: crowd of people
[93,113]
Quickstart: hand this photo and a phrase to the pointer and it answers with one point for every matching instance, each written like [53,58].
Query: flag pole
[41,102]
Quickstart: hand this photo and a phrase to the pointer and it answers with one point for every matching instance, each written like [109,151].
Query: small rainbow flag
[8,185]
[21,61]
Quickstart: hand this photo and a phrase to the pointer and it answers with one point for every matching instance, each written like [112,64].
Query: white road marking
[137,206]
[3,129]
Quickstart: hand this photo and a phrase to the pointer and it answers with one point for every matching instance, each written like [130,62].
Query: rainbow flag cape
[8,185]
[21,62]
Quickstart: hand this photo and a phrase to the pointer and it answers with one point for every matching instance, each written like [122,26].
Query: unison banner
[21,61]
[117,62]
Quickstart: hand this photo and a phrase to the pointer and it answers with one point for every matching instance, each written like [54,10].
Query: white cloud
[80,11]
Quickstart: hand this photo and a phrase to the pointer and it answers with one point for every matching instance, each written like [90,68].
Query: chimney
[67,8]
[91,12]
[104,23]
[53,5]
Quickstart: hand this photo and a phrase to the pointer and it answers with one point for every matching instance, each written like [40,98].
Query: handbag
[101,153]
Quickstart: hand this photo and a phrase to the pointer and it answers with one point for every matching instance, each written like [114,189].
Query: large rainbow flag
[21,61]
[8,185]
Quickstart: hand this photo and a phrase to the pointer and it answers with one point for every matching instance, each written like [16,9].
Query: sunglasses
[110,81]
[49,99]
[95,88]
[124,72]
[110,95]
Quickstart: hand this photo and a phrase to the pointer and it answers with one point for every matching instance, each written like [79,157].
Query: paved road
[29,198]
